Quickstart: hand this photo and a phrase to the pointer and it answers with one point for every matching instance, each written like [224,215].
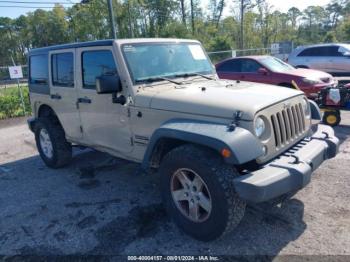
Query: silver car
[331,58]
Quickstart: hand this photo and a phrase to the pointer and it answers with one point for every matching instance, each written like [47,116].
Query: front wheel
[198,192]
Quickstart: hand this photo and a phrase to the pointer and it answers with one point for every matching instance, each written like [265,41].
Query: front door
[105,124]
[63,91]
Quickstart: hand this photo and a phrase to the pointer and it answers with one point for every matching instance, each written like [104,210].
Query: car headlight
[311,81]
[259,126]
[306,107]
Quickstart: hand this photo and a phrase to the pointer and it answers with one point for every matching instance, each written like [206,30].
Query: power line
[32,7]
[36,2]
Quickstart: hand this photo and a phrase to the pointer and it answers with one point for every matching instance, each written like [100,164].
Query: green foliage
[10,102]
[330,37]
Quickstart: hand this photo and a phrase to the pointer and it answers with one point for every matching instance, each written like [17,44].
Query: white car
[331,58]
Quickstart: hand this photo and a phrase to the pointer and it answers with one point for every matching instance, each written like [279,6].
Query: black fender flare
[315,111]
[244,146]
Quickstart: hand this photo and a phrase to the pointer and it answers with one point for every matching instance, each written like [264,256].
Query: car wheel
[198,192]
[331,118]
[51,142]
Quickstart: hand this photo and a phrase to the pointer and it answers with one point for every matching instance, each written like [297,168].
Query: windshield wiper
[195,74]
[155,79]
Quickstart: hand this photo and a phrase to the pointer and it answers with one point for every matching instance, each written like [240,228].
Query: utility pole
[111,16]
[242,25]
[192,16]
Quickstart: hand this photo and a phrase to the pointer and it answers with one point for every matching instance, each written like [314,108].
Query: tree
[294,13]
[330,38]
[183,11]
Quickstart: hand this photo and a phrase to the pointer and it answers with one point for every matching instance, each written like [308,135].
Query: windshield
[156,60]
[276,65]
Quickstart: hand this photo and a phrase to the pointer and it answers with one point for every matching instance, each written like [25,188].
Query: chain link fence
[218,56]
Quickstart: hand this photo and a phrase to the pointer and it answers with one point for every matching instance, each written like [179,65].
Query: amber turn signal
[225,152]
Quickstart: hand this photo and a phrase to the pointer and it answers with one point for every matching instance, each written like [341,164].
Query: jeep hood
[219,98]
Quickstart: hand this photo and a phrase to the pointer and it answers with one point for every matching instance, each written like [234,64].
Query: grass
[10,102]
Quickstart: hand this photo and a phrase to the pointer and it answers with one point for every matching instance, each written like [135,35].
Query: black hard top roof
[41,50]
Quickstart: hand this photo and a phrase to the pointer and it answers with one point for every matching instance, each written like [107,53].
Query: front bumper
[291,171]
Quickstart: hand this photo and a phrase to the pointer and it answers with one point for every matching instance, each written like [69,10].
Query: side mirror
[263,71]
[108,84]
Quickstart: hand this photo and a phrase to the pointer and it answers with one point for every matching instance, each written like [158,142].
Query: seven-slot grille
[288,124]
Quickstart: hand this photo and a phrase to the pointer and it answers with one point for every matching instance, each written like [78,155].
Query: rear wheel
[198,192]
[51,142]
[331,118]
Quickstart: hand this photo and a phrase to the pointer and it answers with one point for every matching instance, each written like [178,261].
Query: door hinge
[81,129]
[131,141]
[129,113]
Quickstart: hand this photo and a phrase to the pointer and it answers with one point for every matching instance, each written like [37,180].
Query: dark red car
[271,70]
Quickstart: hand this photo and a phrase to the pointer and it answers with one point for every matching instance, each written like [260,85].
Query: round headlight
[306,107]
[259,125]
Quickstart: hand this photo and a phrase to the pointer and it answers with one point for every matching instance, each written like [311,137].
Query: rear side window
[95,64]
[230,66]
[62,66]
[38,70]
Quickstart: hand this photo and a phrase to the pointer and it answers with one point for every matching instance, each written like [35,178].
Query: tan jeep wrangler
[217,144]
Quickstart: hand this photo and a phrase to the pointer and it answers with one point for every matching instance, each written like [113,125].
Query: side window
[320,51]
[62,68]
[95,64]
[38,67]
[250,66]
[230,66]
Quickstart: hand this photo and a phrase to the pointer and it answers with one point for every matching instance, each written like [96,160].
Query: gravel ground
[102,205]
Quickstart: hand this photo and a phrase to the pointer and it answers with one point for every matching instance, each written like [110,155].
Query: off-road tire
[227,208]
[62,150]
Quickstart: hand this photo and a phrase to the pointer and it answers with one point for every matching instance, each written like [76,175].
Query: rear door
[63,91]
[105,124]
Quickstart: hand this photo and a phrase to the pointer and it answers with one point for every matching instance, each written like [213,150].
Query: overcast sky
[281,5]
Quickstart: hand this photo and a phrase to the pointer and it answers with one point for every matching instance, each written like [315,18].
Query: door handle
[55,96]
[84,100]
